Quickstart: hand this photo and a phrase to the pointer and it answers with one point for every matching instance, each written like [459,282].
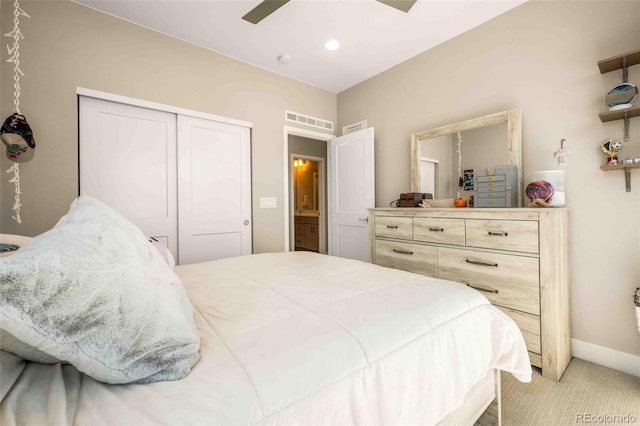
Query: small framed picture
[468,180]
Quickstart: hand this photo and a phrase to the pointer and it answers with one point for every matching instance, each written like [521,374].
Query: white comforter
[296,338]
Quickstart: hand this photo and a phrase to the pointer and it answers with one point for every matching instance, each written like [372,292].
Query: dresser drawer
[439,230]
[506,280]
[490,202]
[514,235]
[306,220]
[492,193]
[407,256]
[394,227]
[529,326]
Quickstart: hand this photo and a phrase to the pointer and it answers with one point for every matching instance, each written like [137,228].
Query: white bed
[299,338]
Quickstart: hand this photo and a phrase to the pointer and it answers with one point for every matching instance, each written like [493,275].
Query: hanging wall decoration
[460,202]
[561,154]
[16,133]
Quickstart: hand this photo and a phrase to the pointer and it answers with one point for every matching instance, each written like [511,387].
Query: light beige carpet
[587,393]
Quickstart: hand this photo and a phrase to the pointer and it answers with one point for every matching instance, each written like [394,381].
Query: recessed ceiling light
[332,44]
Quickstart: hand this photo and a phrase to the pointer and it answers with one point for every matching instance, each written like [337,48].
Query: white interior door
[428,175]
[352,192]
[128,161]
[214,190]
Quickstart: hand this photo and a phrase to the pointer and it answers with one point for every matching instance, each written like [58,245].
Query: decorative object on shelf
[540,193]
[611,147]
[621,96]
[16,133]
[561,154]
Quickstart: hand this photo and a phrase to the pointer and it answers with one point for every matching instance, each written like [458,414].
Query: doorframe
[322,208]
[309,134]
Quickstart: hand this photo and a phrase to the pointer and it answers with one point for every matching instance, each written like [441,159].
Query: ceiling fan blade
[403,5]
[264,9]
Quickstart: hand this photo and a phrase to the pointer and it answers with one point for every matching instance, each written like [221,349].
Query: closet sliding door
[183,180]
[214,190]
[128,161]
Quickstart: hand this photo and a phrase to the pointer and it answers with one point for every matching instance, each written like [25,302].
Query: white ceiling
[373,36]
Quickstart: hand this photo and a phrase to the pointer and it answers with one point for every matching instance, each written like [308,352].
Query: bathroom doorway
[307,194]
[307,191]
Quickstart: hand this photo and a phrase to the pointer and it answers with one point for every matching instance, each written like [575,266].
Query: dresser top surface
[469,209]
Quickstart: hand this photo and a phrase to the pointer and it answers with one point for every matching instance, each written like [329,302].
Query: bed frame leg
[498,399]
[492,416]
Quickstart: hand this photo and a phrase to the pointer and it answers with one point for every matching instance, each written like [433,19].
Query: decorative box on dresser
[517,258]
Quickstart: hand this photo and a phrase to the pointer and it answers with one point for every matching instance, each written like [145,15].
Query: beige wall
[541,57]
[67,45]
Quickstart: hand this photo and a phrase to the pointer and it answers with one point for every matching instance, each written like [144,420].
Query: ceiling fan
[267,7]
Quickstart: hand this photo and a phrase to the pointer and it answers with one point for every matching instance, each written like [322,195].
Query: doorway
[308,202]
[307,194]
[313,140]
[350,190]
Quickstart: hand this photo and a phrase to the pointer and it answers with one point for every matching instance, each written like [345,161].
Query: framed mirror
[438,166]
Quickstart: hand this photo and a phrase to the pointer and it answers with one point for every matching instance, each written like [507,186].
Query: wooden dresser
[517,257]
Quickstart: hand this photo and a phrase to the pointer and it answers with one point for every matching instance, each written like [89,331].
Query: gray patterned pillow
[93,292]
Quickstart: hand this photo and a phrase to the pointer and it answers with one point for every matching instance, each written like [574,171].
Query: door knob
[246,222]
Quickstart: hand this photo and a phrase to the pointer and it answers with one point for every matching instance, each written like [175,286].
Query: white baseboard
[621,361]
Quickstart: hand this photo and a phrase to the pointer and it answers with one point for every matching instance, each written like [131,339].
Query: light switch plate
[268,202]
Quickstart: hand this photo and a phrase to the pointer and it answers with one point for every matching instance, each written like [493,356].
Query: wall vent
[350,128]
[309,121]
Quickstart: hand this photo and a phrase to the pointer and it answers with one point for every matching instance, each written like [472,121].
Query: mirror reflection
[443,159]
[442,175]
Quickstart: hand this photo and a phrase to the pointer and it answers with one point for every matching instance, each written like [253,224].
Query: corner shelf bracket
[627,178]
[627,172]
[626,126]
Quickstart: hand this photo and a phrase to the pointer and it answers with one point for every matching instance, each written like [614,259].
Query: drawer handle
[499,233]
[481,262]
[392,226]
[401,251]
[436,229]
[486,290]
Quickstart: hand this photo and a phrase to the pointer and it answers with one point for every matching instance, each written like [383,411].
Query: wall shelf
[620,167]
[620,114]
[615,62]
[621,62]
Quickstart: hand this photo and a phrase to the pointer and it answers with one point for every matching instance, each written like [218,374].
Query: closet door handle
[364,219]
[402,251]
[498,233]
[481,262]
[486,290]
[392,226]
[436,229]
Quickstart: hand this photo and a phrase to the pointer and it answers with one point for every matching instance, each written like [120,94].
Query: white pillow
[93,292]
